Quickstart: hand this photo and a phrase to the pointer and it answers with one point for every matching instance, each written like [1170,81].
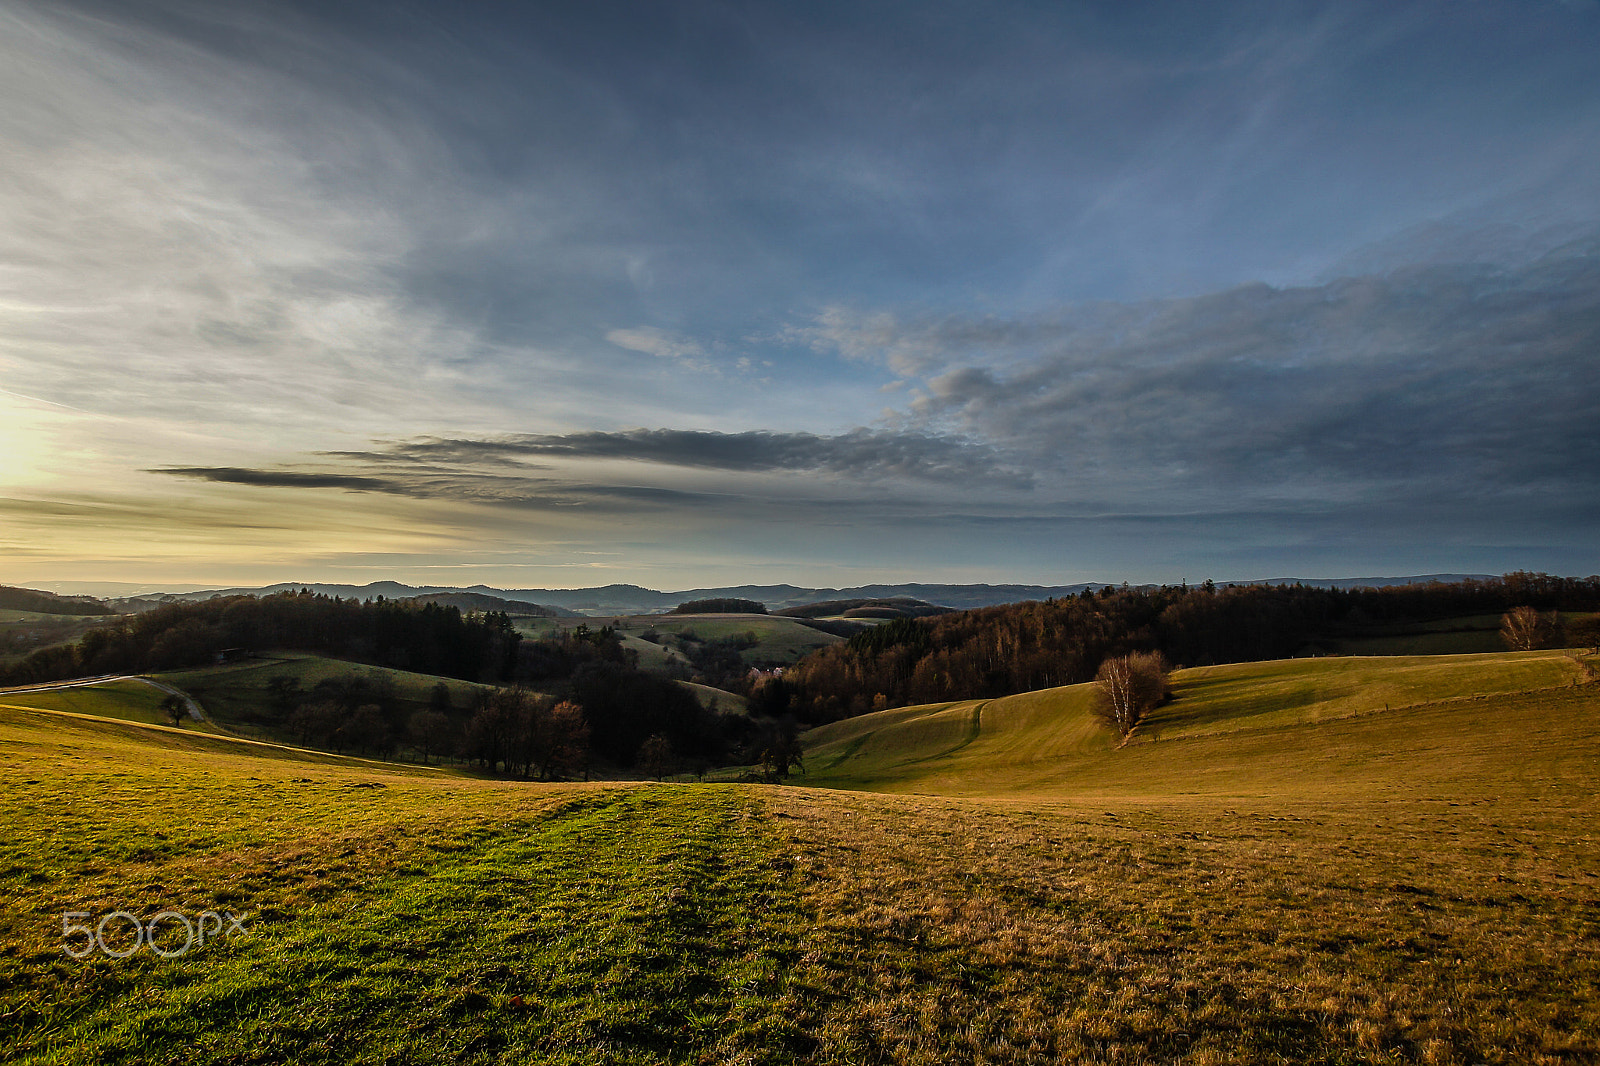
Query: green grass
[780,641]
[132,701]
[1051,740]
[722,700]
[1291,874]
[237,694]
[395,914]
[24,632]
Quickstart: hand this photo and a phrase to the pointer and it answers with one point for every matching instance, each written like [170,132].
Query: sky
[688,294]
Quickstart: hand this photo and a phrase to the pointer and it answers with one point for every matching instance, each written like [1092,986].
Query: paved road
[196,712]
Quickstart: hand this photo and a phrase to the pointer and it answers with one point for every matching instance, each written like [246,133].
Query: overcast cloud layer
[693,293]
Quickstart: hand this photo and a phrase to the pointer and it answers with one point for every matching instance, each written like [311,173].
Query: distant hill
[477,598]
[1368,582]
[15,599]
[478,601]
[890,607]
[623,599]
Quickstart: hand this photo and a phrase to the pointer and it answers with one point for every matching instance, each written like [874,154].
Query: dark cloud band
[860,454]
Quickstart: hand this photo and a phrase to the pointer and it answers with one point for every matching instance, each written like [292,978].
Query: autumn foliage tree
[1128,686]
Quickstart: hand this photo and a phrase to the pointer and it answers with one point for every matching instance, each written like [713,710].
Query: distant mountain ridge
[621,599]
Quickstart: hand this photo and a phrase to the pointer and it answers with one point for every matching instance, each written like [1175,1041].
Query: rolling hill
[1314,861]
[1322,725]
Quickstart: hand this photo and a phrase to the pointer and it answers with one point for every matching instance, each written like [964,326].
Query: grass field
[237,694]
[1051,739]
[24,632]
[718,699]
[1333,884]
[780,641]
[129,700]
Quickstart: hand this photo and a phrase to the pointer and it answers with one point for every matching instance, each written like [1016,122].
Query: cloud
[860,453]
[1467,381]
[456,486]
[919,346]
[233,475]
[662,345]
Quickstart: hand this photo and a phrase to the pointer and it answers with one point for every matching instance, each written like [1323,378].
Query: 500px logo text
[122,933]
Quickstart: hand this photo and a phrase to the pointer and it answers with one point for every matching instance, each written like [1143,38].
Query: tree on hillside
[1128,686]
[1524,629]
[320,723]
[431,731]
[776,748]
[174,709]
[367,731]
[562,747]
[284,692]
[1585,633]
[656,758]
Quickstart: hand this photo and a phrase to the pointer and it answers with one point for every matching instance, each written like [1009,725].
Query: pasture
[1288,873]
[128,699]
[240,697]
[25,632]
[778,641]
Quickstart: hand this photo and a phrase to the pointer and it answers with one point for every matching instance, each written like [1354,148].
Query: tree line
[421,637]
[997,651]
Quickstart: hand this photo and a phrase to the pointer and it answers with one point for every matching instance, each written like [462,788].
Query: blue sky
[700,293]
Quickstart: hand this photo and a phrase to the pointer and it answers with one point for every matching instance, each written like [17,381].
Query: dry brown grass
[960,931]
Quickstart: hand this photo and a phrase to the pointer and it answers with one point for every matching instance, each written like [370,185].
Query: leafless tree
[1524,629]
[430,731]
[1128,687]
[656,758]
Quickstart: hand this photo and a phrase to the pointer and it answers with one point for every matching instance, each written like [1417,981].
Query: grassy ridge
[1050,740]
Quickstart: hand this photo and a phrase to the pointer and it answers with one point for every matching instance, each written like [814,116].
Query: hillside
[15,599]
[1319,724]
[667,643]
[24,632]
[1290,873]
[240,696]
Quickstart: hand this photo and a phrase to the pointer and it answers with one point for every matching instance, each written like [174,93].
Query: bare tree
[1524,629]
[430,731]
[561,739]
[656,758]
[1585,633]
[1128,687]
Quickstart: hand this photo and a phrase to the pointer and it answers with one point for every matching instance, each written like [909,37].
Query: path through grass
[625,925]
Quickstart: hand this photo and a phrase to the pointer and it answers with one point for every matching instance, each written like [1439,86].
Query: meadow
[1330,861]
[24,632]
[777,640]
[238,695]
